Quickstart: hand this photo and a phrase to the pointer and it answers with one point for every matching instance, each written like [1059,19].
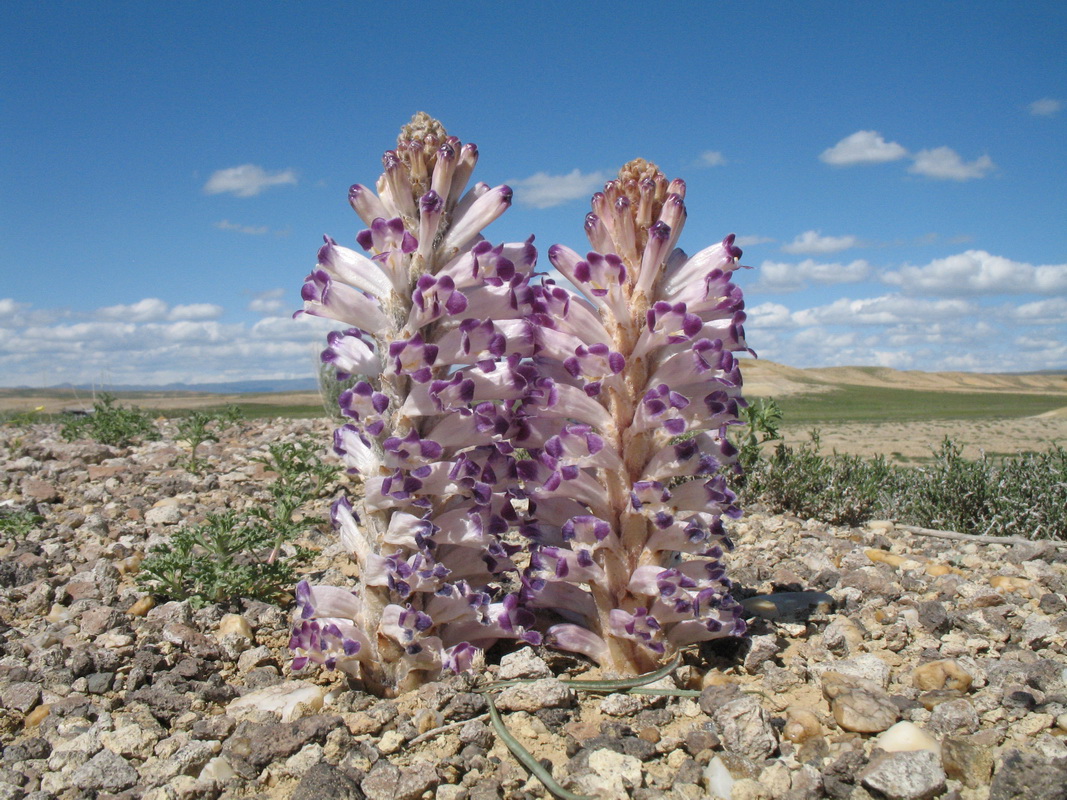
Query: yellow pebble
[142,606]
[1002,583]
[36,717]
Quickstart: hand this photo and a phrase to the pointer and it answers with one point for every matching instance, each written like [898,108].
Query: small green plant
[241,555]
[762,420]
[22,419]
[18,524]
[198,427]
[111,424]
[227,557]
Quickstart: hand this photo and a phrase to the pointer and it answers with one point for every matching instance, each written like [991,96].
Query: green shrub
[1025,495]
[111,424]
[226,558]
[232,555]
[18,523]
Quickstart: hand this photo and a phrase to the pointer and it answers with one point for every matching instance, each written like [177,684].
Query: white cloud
[777,276]
[151,342]
[269,302]
[976,272]
[1052,311]
[770,315]
[10,311]
[246,180]
[195,311]
[148,310]
[944,163]
[712,158]
[542,190]
[750,241]
[862,147]
[252,230]
[1045,107]
[888,309]
[813,242]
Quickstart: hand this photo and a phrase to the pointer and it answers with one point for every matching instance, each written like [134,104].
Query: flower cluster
[438,334]
[619,397]
[626,492]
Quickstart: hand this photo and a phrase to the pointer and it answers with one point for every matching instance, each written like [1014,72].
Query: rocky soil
[881,665]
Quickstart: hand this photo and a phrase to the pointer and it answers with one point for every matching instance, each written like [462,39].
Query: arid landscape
[906,439]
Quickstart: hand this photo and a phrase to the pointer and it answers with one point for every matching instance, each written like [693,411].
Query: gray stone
[21,696]
[386,781]
[531,697]
[1025,776]
[868,667]
[745,728]
[954,716]
[324,782]
[523,663]
[858,705]
[105,771]
[907,775]
[163,515]
[761,652]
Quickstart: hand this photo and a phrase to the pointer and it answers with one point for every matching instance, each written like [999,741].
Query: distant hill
[265,386]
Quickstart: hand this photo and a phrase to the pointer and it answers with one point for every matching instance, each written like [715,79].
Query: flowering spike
[429,441]
[625,518]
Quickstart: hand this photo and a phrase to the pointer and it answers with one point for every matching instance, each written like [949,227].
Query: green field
[876,404]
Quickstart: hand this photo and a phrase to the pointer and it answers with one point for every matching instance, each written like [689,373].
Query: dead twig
[975,537]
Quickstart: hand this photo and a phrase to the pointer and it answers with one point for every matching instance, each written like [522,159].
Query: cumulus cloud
[711,158]
[269,302]
[813,242]
[1052,311]
[976,272]
[10,310]
[888,309]
[777,276]
[152,342]
[148,310]
[195,311]
[542,190]
[251,230]
[750,241]
[863,147]
[246,180]
[941,163]
[944,163]
[1045,107]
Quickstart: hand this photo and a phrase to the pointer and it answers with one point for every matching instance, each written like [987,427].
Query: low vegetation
[110,423]
[250,555]
[1024,494]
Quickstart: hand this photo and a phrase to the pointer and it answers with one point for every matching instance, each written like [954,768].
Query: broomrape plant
[626,534]
[485,404]
[438,335]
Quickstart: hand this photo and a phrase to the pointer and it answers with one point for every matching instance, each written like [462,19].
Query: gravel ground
[881,665]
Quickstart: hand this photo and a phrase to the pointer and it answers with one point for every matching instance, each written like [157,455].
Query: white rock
[289,701]
[217,770]
[611,776]
[523,663]
[869,667]
[905,737]
[718,780]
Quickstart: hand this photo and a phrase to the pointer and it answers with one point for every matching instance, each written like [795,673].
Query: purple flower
[437,330]
[625,516]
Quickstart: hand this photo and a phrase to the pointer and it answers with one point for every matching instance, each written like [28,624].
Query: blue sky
[895,171]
